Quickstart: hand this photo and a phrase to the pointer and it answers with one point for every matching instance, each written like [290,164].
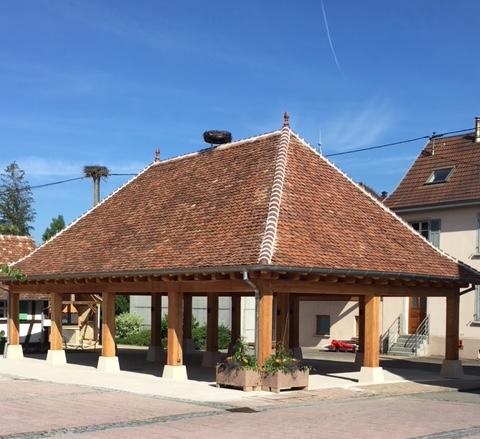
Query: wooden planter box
[245,379]
[285,381]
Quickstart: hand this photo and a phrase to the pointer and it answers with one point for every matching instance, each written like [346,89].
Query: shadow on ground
[334,364]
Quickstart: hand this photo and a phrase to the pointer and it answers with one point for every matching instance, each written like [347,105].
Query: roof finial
[286,119]
[157,154]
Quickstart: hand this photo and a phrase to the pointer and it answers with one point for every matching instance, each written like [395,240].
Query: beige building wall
[342,321]
[458,237]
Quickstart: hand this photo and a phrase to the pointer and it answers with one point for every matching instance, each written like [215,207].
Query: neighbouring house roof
[270,201]
[463,184]
[13,248]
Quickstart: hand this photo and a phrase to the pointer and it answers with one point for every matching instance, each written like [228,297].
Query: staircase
[414,344]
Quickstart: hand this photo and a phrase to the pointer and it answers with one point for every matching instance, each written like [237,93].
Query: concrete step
[400,351]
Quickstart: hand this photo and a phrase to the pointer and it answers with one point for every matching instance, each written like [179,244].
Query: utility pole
[96,173]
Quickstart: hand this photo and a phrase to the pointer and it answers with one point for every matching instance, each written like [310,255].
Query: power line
[56,182]
[350,151]
[400,142]
[53,183]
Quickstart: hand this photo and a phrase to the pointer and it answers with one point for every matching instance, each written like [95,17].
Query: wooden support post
[156,320]
[174,369]
[108,325]
[361,331]
[212,322]
[108,361]
[236,317]
[361,324]
[56,354]
[56,319]
[452,366]
[265,319]
[371,372]
[452,327]
[13,319]
[156,353]
[283,314]
[371,355]
[187,317]
[294,322]
[175,330]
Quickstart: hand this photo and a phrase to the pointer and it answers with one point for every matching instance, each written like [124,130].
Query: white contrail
[330,38]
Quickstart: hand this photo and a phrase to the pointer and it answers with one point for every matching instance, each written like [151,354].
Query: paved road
[33,409]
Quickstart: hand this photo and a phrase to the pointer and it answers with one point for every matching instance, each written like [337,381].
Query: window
[476,316]
[23,310]
[477,237]
[439,176]
[430,229]
[3,309]
[323,325]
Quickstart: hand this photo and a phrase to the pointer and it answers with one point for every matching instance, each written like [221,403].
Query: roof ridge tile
[267,246]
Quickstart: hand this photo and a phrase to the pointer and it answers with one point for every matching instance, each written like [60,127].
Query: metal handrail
[390,336]
[422,333]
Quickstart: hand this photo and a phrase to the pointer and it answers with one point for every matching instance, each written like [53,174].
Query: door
[416,313]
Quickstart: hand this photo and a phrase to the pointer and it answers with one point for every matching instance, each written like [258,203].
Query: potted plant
[281,371]
[240,370]
[3,340]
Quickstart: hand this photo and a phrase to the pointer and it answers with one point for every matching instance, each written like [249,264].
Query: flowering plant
[282,361]
[240,359]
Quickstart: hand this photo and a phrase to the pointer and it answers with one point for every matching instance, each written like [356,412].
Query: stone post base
[56,357]
[452,369]
[297,353]
[178,373]
[14,352]
[156,354]
[371,375]
[358,359]
[188,346]
[210,359]
[108,364]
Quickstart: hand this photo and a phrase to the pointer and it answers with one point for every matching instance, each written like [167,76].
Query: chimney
[477,129]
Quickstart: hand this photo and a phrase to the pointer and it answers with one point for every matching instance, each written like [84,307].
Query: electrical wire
[400,142]
[335,154]
[38,186]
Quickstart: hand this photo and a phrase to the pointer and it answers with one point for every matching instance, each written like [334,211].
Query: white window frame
[431,178]
[476,315]
[477,237]
[433,235]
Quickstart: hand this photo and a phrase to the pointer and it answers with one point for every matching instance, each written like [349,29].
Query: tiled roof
[463,185]
[13,248]
[269,200]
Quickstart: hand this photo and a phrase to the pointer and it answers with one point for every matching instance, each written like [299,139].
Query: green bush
[224,337]
[127,324]
[141,338]
[199,336]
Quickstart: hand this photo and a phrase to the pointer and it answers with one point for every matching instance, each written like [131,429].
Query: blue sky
[104,82]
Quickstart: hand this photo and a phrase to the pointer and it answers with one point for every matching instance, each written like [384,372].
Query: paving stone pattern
[33,409]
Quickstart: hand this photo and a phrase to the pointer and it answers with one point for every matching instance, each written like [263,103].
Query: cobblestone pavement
[34,409]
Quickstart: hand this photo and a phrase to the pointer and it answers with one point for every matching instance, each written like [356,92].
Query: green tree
[122,304]
[55,226]
[16,211]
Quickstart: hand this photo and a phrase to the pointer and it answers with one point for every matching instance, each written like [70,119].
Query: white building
[440,197]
